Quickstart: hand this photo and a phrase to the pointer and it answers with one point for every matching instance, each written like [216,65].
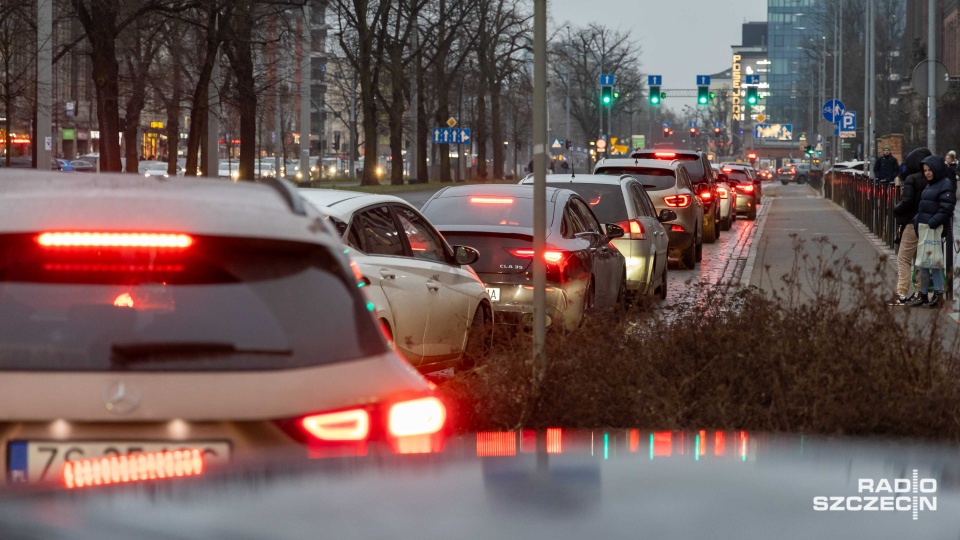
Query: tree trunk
[481,136]
[396,115]
[422,132]
[106,75]
[200,106]
[369,106]
[133,110]
[173,114]
[496,124]
[240,55]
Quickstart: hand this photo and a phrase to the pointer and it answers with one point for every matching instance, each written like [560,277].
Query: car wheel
[752,215]
[479,337]
[710,232]
[784,182]
[718,226]
[662,290]
[689,257]
[728,223]
[699,252]
[587,305]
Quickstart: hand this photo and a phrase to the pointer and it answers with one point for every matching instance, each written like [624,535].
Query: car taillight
[423,416]
[550,256]
[723,193]
[633,229]
[491,200]
[705,195]
[727,169]
[677,201]
[746,188]
[665,155]
[676,228]
[113,239]
[351,425]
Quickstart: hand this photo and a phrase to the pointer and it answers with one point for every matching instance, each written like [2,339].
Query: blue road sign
[654,80]
[666,124]
[717,124]
[752,79]
[703,80]
[833,110]
[777,132]
[451,136]
[557,143]
[849,121]
[692,124]
[606,79]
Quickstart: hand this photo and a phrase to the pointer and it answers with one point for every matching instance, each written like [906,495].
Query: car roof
[560,179]
[514,190]
[637,162]
[342,203]
[43,201]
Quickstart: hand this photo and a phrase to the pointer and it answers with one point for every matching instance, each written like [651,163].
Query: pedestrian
[886,167]
[913,184]
[530,166]
[937,203]
[951,161]
[553,166]
[564,166]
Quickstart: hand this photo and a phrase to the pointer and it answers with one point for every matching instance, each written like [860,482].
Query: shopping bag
[929,250]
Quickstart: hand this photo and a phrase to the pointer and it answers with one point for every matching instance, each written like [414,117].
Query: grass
[794,360]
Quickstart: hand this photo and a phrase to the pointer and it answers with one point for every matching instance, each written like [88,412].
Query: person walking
[934,212]
[913,184]
[886,168]
[951,161]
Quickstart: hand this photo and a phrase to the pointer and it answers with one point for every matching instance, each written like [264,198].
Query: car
[669,186]
[17,162]
[751,174]
[266,168]
[787,173]
[62,165]
[428,300]
[728,202]
[81,165]
[160,169]
[704,183]
[164,320]
[229,168]
[622,200]
[735,175]
[583,270]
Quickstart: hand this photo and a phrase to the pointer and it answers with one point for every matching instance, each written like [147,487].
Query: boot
[903,300]
[935,301]
[920,300]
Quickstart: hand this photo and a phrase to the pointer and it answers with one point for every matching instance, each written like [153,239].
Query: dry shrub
[822,354]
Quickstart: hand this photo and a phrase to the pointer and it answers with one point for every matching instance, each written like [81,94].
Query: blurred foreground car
[583,269]
[430,303]
[147,321]
[623,201]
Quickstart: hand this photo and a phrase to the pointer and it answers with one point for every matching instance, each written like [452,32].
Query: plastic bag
[929,249]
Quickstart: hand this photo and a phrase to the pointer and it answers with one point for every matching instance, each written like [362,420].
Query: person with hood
[935,210]
[952,166]
[913,184]
[886,168]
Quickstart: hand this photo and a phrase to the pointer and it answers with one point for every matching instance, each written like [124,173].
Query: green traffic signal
[751,95]
[703,95]
[655,95]
[606,95]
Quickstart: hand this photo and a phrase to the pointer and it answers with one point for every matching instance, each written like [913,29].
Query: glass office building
[792,26]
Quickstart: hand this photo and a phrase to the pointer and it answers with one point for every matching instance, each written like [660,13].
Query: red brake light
[108,239]
[423,416]
[132,468]
[662,155]
[746,188]
[706,195]
[677,201]
[550,256]
[491,200]
[676,228]
[723,192]
[352,425]
[727,169]
[633,229]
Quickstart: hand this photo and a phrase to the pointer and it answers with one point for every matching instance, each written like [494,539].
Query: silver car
[669,186]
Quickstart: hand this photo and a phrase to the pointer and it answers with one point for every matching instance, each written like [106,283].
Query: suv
[146,319]
[704,183]
[747,188]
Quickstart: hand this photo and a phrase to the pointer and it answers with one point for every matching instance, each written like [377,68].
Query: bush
[821,354]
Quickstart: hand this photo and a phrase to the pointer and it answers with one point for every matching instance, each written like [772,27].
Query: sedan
[622,200]
[81,165]
[728,202]
[747,196]
[583,269]
[428,300]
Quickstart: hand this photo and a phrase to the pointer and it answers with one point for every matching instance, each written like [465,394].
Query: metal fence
[872,203]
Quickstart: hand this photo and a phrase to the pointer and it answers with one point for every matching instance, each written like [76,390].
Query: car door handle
[433,285]
[387,274]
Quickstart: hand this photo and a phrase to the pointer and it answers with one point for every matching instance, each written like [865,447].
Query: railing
[872,203]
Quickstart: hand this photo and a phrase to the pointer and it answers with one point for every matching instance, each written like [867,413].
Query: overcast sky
[679,39]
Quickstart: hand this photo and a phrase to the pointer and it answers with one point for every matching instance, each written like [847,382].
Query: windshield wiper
[132,352]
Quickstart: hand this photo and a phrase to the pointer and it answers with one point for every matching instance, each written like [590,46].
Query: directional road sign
[451,136]
[666,124]
[692,124]
[654,80]
[777,132]
[703,80]
[833,110]
[557,143]
[848,125]
[606,79]
[752,79]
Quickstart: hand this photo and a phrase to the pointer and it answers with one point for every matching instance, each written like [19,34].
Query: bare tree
[138,48]
[17,60]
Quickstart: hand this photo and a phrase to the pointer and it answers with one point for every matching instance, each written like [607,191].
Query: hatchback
[428,300]
[583,270]
[149,321]
[747,194]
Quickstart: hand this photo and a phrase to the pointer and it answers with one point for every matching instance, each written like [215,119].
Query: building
[792,31]
[749,62]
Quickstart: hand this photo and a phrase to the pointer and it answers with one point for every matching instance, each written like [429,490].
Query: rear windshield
[737,175]
[218,305]
[483,210]
[652,179]
[606,200]
[691,162]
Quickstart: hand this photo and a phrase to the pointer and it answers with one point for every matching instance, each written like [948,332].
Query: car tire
[728,223]
[699,252]
[784,182]
[586,308]
[662,289]
[479,338]
[752,215]
[718,226]
[688,259]
[710,232]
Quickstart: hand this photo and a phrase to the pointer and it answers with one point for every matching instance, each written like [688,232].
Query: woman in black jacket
[935,210]
[905,211]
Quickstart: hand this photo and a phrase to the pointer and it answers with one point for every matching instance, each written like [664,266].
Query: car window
[606,200]
[378,232]
[643,200]
[575,223]
[424,242]
[585,215]
[655,179]
[484,210]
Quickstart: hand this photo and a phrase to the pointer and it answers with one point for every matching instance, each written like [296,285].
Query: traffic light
[808,149]
[751,95]
[693,132]
[703,95]
[667,132]
[606,95]
[616,95]
[654,95]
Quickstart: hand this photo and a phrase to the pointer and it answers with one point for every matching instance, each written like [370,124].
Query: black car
[705,185]
[584,270]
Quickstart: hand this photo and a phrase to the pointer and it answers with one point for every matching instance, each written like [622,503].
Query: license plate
[42,461]
[494,293]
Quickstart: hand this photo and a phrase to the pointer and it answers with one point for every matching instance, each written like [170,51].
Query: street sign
[557,143]
[606,79]
[654,80]
[752,79]
[601,144]
[692,124]
[451,136]
[638,141]
[848,125]
[703,80]
[777,132]
[941,77]
[451,121]
[717,124]
[833,110]
[666,124]
[761,118]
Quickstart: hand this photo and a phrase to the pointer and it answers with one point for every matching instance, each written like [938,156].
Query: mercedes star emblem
[121,397]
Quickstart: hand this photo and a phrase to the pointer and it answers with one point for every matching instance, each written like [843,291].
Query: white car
[728,204]
[429,301]
[161,170]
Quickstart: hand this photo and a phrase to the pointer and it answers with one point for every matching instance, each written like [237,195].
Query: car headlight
[313,169]
[333,170]
[299,175]
[379,171]
[235,175]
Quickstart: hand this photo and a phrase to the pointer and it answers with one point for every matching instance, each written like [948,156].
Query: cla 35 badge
[898,495]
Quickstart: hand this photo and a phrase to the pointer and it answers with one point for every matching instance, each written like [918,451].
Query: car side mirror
[465,255]
[614,231]
[667,215]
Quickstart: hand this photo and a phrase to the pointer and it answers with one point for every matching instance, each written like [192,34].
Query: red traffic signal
[752,156]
